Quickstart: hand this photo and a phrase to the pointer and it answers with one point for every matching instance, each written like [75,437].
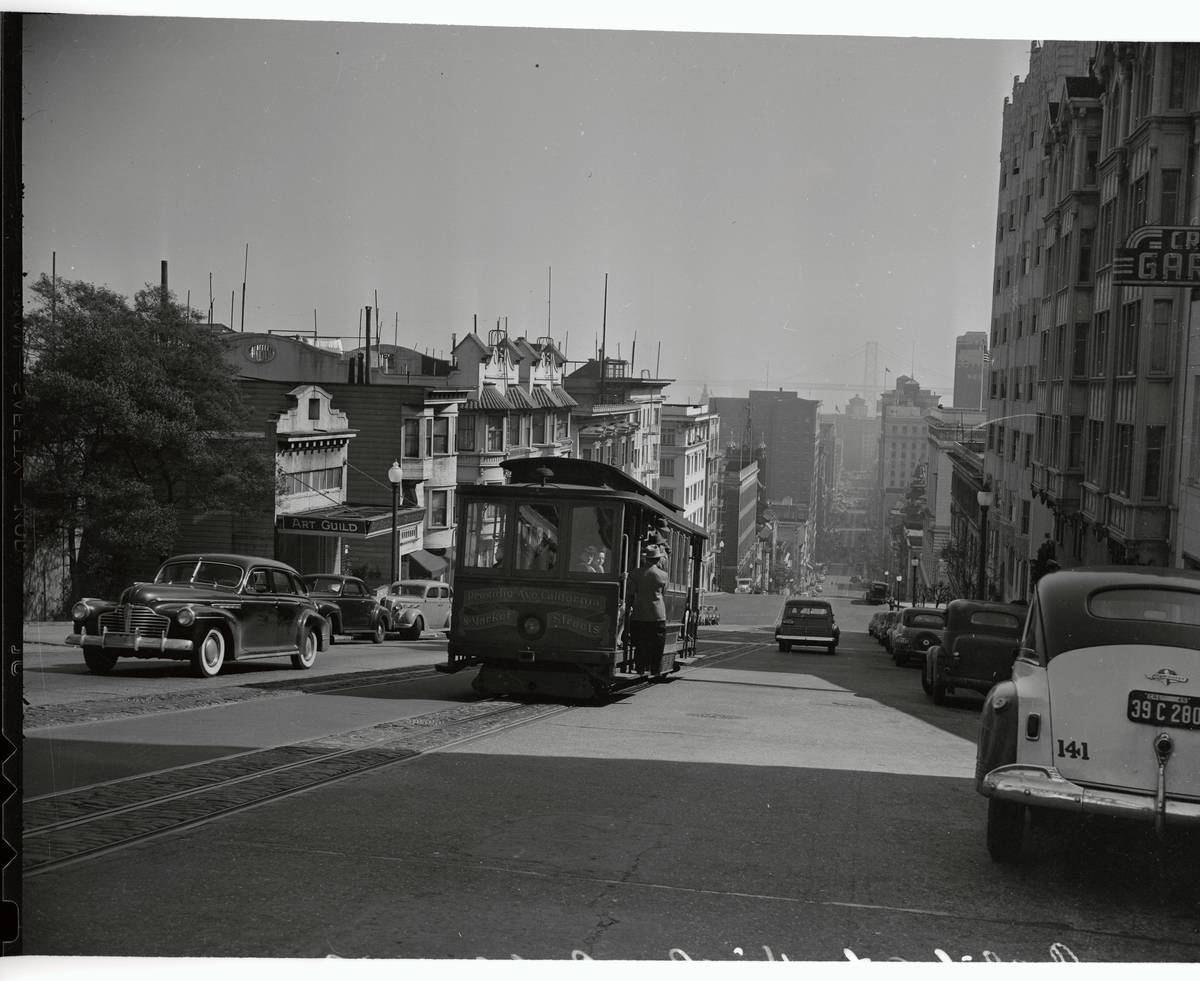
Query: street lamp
[912,582]
[899,580]
[394,475]
[986,498]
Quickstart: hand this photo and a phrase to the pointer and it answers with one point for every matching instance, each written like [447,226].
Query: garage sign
[1159,256]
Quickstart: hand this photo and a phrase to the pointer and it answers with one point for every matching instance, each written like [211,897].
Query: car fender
[406,617]
[313,620]
[997,731]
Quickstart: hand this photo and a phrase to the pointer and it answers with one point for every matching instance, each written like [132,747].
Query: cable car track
[84,823]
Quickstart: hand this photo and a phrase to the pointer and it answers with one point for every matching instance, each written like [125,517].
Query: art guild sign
[1159,256]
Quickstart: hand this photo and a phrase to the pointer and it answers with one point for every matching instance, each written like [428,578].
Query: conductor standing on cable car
[647,610]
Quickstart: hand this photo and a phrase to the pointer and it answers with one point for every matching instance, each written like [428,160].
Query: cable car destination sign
[1159,256]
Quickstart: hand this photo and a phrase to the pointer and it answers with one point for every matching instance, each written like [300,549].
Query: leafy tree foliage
[131,417]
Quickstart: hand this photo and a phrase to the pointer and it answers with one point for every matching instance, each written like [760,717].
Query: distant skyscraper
[970,356]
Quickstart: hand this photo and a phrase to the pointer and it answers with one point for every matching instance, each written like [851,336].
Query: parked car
[917,629]
[744,586]
[1102,712]
[206,609]
[807,622]
[884,635]
[976,649]
[415,605]
[876,624]
[349,606]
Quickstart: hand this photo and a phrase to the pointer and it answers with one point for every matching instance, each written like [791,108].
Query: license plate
[115,639]
[1158,708]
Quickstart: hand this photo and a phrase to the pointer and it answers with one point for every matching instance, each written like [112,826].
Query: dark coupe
[204,609]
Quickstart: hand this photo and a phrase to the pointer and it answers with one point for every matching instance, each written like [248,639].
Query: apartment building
[1093,381]
[1018,317]
[689,470]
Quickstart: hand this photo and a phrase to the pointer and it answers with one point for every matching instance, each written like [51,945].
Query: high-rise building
[1026,251]
[970,357]
[1093,385]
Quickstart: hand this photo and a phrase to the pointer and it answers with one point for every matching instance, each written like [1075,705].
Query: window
[514,430]
[1091,157]
[1106,232]
[1028,448]
[304,481]
[1127,347]
[1099,341]
[593,539]
[495,432]
[1085,255]
[539,428]
[314,409]
[1177,83]
[1060,350]
[439,508]
[537,537]
[1075,444]
[562,425]
[1079,351]
[1152,481]
[464,438]
[1159,332]
[441,435]
[427,426]
[1145,85]
[668,466]
[483,546]
[1122,459]
[1024,531]
[412,438]
[1194,467]
[1168,202]
[1094,450]
[1137,203]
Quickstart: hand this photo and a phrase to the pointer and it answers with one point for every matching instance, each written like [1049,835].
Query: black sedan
[204,609]
[349,606]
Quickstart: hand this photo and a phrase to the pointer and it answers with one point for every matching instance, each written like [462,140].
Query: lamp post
[899,580]
[394,475]
[985,497]
[912,581]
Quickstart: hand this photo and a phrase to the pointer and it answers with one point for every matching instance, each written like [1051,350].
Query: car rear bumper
[133,645]
[796,638]
[1044,786]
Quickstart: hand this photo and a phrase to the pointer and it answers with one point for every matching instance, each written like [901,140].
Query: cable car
[540,572]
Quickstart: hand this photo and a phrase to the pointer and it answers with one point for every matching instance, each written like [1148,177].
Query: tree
[131,416]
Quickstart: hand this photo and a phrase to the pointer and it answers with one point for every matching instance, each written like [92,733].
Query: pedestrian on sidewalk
[646,610]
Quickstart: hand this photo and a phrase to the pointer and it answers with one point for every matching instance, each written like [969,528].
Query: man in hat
[646,609]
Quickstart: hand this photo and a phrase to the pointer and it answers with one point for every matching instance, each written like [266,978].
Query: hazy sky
[763,205]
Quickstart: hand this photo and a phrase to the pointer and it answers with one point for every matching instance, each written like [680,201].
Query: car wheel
[306,656]
[784,646]
[1005,830]
[926,684]
[938,685]
[379,633]
[417,628]
[99,662]
[209,655]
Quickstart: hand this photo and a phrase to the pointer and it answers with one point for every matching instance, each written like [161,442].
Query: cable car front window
[484,543]
[537,538]
[592,539]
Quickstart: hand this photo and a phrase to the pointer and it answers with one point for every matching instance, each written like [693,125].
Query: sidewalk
[50,632]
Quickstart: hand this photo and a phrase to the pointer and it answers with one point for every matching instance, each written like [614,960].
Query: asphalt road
[758,806]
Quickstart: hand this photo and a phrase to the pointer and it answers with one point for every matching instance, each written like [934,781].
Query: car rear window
[927,620]
[1154,605]
[803,609]
[990,618]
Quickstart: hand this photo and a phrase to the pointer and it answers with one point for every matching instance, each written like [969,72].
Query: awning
[435,565]
[349,521]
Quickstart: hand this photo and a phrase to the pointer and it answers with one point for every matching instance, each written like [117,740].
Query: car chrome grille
[139,620]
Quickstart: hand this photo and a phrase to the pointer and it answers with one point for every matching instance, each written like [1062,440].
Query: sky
[758,206]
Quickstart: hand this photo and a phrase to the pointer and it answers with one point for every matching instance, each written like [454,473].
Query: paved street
[759,805]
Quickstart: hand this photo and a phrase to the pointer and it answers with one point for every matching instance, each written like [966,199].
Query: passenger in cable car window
[586,561]
[647,610]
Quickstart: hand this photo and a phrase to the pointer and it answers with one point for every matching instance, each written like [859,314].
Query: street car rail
[83,823]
